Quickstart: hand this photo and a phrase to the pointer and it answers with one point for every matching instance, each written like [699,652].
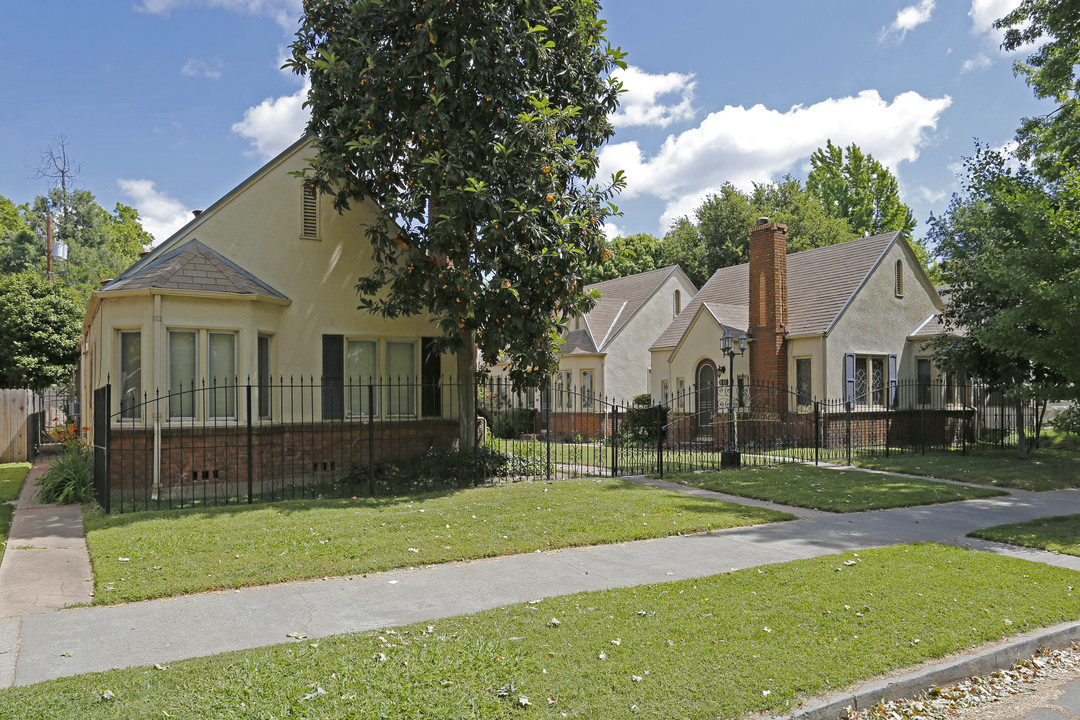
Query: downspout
[157,413]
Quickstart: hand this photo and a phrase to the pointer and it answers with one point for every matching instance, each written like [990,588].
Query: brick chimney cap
[763,221]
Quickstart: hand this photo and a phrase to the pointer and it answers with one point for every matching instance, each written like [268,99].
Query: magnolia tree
[475,126]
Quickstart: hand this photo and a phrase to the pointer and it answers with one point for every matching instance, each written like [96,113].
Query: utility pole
[48,248]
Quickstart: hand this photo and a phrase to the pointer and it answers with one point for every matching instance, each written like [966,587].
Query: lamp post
[730,457]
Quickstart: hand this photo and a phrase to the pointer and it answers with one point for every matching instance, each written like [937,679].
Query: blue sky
[168,104]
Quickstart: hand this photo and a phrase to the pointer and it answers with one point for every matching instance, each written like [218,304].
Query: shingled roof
[820,284]
[620,299]
[193,266]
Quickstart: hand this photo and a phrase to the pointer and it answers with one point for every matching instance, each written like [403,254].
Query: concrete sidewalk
[80,640]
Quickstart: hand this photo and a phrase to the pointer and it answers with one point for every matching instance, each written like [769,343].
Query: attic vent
[898,286]
[309,217]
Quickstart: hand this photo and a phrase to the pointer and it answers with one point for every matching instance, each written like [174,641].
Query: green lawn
[157,554]
[12,476]
[832,490]
[1048,469]
[727,646]
[1060,534]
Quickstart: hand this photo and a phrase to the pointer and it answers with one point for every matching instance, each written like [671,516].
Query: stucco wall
[626,369]
[701,342]
[879,323]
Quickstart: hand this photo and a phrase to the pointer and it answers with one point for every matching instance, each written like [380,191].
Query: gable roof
[821,282]
[193,266]
[621,299]
[178,237]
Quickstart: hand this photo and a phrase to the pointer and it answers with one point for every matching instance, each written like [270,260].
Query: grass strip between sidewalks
[729,645]
[157,554]
[1047,469]
[831,490]
[1060,534]
[12,477]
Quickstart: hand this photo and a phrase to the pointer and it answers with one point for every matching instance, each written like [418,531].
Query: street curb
[982,662]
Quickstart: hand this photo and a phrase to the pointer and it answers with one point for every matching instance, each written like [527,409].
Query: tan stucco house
[605,351]
[258,291]
[842,321]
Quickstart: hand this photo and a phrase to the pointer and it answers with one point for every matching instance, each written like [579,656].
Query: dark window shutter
[333,377]
[892,381]
[430,374]
[849,377]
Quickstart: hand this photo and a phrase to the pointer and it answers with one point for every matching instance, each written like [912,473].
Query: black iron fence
[249,442]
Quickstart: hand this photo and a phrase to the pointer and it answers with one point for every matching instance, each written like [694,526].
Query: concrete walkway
[42,646]
[45,566]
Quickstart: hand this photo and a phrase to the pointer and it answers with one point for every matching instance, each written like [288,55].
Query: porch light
[730,457]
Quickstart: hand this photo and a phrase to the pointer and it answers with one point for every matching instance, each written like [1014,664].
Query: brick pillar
[768,303]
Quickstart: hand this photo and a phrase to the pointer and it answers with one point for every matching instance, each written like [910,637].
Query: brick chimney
[768,303]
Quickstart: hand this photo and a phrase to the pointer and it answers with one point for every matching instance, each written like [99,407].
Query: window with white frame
[924,374]
[401,376]
[361,370]
[665,391]
[587,389]
[130,374]
[263,376]
[680,383]
[803,382]
[568,376]
[221,374]
[182,372]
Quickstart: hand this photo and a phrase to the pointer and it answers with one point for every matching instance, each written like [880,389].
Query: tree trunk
[1022,449]
[466,367]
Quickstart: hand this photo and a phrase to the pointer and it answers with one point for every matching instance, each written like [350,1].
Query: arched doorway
[706,397]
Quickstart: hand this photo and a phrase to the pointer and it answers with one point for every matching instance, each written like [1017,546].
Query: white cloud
[160,214]
[275,123]
[202,68]
[909,18]
[979,62]
[932,196]
[285,12]
[612,231]
[743,146]
[640,104]
[984,13]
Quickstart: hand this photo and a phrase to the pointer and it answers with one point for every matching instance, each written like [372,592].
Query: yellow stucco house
[253,297]
[842,321]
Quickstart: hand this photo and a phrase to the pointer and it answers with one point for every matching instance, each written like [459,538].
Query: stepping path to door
[56,644]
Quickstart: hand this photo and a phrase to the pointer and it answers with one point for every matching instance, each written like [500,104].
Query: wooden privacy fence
[21,421]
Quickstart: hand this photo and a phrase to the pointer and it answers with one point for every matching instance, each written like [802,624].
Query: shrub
[643,419]
[513,423]
[1068,421]
[71,478]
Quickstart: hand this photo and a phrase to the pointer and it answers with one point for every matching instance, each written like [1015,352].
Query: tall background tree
[629,256]
[1052,28]
[717,236]
[852,185]
[1009,251]
[475,125]
[39,331]
[40,319]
